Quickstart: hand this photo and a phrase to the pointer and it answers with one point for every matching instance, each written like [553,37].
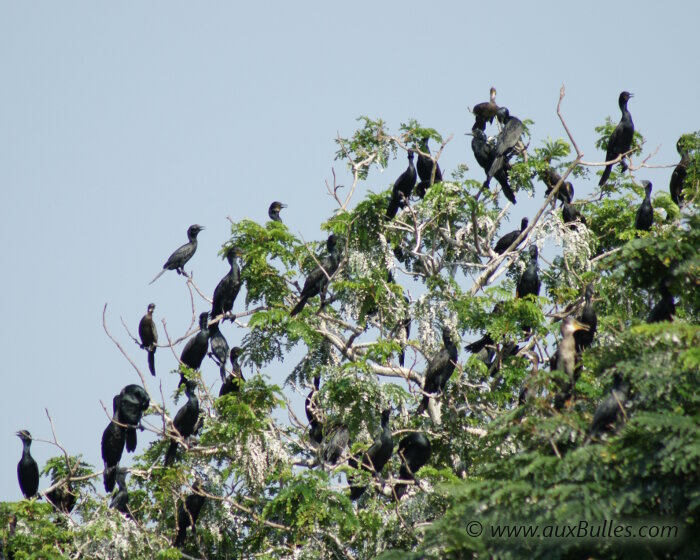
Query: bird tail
[402,357]
[422,406]
[299,306]
[394,205]
[152,361]
[605,176]
[157,276]
[109,476]
[170,454]
[502,178]
[222,371]
[180,538]
[131,439]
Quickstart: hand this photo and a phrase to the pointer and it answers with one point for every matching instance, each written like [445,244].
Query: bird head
[151,307]
[233,252]
[625,96]
[590,291]
[386,413]
[204,320]
[533,252]
[492,94]
[194,230]
[523,224]
[236,351]
[569,191]
[502,114]
[24,435]
[647,186]
[410,155]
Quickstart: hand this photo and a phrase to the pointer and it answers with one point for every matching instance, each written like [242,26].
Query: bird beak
[283,206]
[631,94]
[578,326]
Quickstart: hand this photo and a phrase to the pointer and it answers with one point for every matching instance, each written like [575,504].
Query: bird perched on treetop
[487,110]
[27,468]
[317,281]
[425,168]
[620,141]
[179,258]
[439,370]
[403,186]
[645,214]
[149,337]
[679,173]
[529,283]
[227,289]
[377,455]
[185,420]
[507,139]
[507,240]
[274,211]
[196,348]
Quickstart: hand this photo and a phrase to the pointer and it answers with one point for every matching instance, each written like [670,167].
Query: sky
[121,124]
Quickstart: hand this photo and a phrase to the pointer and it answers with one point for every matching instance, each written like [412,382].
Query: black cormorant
[149,336]
[131,403]
[120,499]
[63,497]
[274,211]
[665,309]
[185,419]
[439,369]
[403,186]
[179,258]
[487,110]
[620,141]
[425,166]
[506,140]
[529,283]
[311,408]
[569,212]
[335,440]
[550,178]
[679,174]
[564,360]
[196,348]
[219,349]
[377,455]
[608,411]
[317,281]
[235,380]
[645,214]
[27,469]
[414,452]
[188,512]
[113,439]
[507,240]
[584,338]
[484,153]
[228,287]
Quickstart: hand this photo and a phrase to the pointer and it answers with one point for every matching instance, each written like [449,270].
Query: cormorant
[550,178]
[274,211]
[196,348]
[179,258]
[219,349]
[120,500]
[439,370]
[645,213]
[376,457]
[227,289]
[529,283]
[63,498]
[506,140]
[569,212]
[185,419]
[310,406]
[608,411]
[149,337]
[666,307]
[485,154]
[584,338]
[414,452]
[564,360]
[235,380]
[334,442]
[620,141]
[131,403]
[403,186]
[486,110]
[679,174]
[113,439]
[507,240]
[188,512]
[317,281]
[27,469]
[425,167]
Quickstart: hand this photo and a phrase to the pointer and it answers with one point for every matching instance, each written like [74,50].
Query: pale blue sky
[123,123]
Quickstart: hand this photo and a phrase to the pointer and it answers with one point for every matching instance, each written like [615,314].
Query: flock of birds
[414,450]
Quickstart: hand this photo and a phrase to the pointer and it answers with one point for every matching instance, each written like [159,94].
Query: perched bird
[185,419]
[274,211]
[584,338]
[679,174]
[645,214]
[377,455]
[315,424]
[235,380]
[131,403]
[335,440]
[507,240]
[113,439]
[227,289]
[569,212]
[27,469]
[564,360]
[608,411]
[439,370]
[317,281]
[414,452]
[149,336]
[484,153]
[188,512]
[179,258]
[551,178]
[487,110]
[403,186]
[196,348]
[63,497]
[425,166]
[620,141]
[665,309]
[219,349]
[529,283]
[120,499]
[507,139]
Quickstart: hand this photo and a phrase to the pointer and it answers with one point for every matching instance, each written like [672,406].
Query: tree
[264,487]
